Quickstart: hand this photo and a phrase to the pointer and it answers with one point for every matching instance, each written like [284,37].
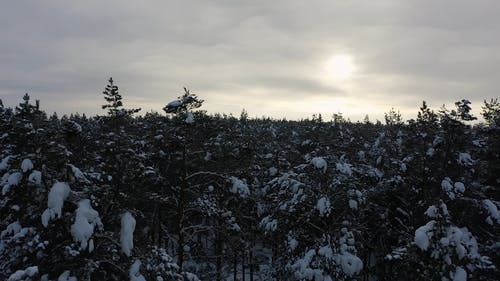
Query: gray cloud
[265,56]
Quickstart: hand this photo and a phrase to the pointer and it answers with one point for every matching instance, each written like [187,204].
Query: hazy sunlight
[340,67]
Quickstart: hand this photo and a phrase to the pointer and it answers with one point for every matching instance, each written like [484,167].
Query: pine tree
[426,116]
[183,104]
[182,192]
[463,111]
[366,120]
[114,101]
[393,118]
[491,112]
[28,111]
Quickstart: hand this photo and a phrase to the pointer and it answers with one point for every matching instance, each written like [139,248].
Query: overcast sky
[269,57]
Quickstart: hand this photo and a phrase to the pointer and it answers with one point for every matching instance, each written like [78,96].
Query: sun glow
[340,67]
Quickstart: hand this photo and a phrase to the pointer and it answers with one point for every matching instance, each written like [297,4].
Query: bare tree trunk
[235,268]
[180,246]
[218,254]
[180,250]
[251,261]
[184,186]
[243,266]
[154,225]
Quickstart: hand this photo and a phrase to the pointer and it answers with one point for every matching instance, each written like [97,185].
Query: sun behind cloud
[340,67]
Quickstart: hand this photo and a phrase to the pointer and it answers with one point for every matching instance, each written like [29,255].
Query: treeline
[186,195]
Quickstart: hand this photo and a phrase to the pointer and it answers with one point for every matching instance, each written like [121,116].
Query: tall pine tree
[114,101]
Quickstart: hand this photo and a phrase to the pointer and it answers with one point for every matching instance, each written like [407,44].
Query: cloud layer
[265,56]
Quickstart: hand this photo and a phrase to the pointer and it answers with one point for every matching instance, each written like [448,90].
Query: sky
[279,58]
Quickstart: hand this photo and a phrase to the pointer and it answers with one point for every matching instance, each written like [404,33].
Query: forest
[187,195]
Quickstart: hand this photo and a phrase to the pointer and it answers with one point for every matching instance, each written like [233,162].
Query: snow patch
[452,190]
[446,185]
[350,264]
[65,277]
[302,267]
[437,211]
[319,163]
[21,275]
[35,177]
[423,235]
[188,276]
[12,229]
[292,243]
[174,104]
[26,165]
[189,118]
[459,187]
[127,233]
[134,273]
[273,171]
[57,194]
[4,164]
[460,274]
[268,224]
[239,187]
[353,204]
[494,215]
[431,212]
[344,168]
[12,180]
[85,222]
[78,174]
[465,159]
[375,173]
[326,251]
[323,206]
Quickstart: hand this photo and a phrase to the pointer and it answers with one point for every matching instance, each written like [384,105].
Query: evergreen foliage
[192,196]
[114,101]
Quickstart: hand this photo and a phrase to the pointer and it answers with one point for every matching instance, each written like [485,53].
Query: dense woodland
[184,195]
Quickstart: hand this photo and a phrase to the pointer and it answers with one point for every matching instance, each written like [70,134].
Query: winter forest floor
[190,196]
